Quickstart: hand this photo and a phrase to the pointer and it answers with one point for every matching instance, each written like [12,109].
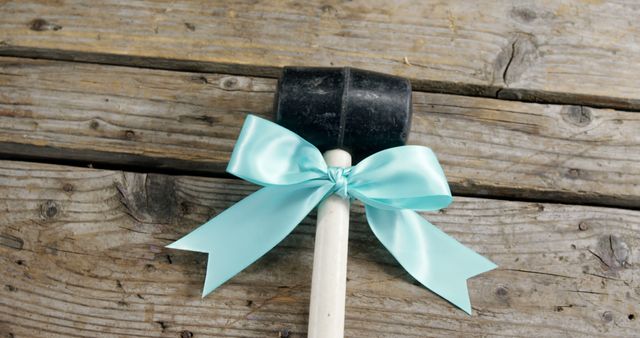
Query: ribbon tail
[244,232]
[432,257]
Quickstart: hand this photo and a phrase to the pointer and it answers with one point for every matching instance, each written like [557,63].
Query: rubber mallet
[348,114]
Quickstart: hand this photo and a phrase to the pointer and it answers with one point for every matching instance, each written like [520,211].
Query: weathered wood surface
[81,254]
[189,121]
[568,51]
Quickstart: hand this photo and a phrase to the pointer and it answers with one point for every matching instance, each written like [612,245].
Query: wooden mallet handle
[328,283]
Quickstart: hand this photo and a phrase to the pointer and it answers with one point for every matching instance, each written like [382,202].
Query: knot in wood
[230,83]
[41,25]
[49,209]
[577,115]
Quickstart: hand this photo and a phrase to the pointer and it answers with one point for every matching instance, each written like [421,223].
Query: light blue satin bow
[391,183]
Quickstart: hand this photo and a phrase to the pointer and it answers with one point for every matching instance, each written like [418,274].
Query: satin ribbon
[393,184]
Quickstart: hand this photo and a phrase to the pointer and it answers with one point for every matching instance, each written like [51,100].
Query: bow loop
[407,177]
[268,154]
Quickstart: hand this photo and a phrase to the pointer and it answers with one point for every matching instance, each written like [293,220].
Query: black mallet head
[356,110]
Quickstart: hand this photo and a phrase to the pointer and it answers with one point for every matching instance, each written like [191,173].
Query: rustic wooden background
[117,119]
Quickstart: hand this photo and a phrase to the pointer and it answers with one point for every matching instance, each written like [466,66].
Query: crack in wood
[539,273]
[10,241]
[506,68]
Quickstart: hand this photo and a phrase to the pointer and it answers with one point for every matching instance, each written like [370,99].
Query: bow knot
[339,176]
[392,184]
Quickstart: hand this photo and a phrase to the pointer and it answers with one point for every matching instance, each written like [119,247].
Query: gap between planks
[170,170]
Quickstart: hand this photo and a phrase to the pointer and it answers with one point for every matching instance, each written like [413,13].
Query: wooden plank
[189,121]
[567,51]
[81,254]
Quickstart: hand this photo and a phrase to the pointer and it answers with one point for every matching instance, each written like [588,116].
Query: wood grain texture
[81,254]
[570,51]
[189,121]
